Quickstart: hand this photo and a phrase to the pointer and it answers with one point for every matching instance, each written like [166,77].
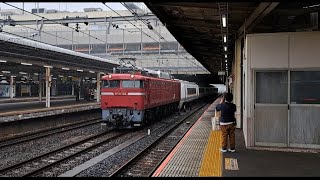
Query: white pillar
[237,82]
[72,91]
[48,84]
[98,87]
[11,87]
[40,87]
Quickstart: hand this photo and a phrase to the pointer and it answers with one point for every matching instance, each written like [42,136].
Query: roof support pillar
[40,87]
[48,86]
[98,87]
[236,81]
[11,91]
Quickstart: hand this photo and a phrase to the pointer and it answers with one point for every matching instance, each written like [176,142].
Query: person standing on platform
[227,121]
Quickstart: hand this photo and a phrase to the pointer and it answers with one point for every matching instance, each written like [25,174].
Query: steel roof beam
[257,15]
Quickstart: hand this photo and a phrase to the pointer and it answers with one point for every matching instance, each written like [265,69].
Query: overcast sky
[62,6]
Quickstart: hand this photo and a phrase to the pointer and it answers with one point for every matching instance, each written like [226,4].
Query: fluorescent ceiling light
[36,74]
[80,70]
[48,66]
[311,6]
[224,20]
[13,76]
[225,48]
[3,61]
[69,76]
[224,38]
[225,56]
[60,75]
[22,73]
[27,64]
[1,75]
[65,68]
[91,71]
[226,60]
[6,72]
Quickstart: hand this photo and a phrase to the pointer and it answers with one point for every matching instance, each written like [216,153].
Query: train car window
[191,91]
[132,84]
[111,84]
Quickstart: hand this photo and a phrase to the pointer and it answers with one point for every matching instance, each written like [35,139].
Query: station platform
[33,98]
[198,155]
[24,115]
[22,110]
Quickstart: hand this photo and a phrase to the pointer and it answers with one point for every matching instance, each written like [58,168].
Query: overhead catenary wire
[48,33]
[91,35]
[53,21]
[129,21]
[156,32]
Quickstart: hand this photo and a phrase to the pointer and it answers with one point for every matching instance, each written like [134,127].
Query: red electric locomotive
[130,99]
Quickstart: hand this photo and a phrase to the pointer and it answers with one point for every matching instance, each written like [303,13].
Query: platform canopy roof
[198,27]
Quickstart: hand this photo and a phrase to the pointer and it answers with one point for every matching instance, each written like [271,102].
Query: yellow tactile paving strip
[197,154]
[212,160]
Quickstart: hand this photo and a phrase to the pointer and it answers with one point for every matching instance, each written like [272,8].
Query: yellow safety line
[212,159]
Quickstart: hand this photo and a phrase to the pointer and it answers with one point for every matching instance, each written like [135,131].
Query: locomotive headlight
[132,76]
[110,76]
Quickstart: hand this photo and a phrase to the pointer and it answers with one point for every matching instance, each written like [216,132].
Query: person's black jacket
[227,112]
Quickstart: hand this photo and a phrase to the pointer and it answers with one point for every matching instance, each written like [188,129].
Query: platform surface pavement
[33,98]
[271,163]
[198,155]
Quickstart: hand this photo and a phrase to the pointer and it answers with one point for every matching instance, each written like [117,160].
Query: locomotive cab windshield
[122,83]
[111,83]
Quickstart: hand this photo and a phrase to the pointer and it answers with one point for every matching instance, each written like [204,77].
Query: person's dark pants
[228,130]
[77,97]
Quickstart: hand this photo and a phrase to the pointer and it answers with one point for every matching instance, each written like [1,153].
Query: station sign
[221,73]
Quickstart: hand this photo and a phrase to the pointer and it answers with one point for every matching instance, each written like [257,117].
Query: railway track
[117,160]
[40,163]
[44,133]
[150,153]
[146,161]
